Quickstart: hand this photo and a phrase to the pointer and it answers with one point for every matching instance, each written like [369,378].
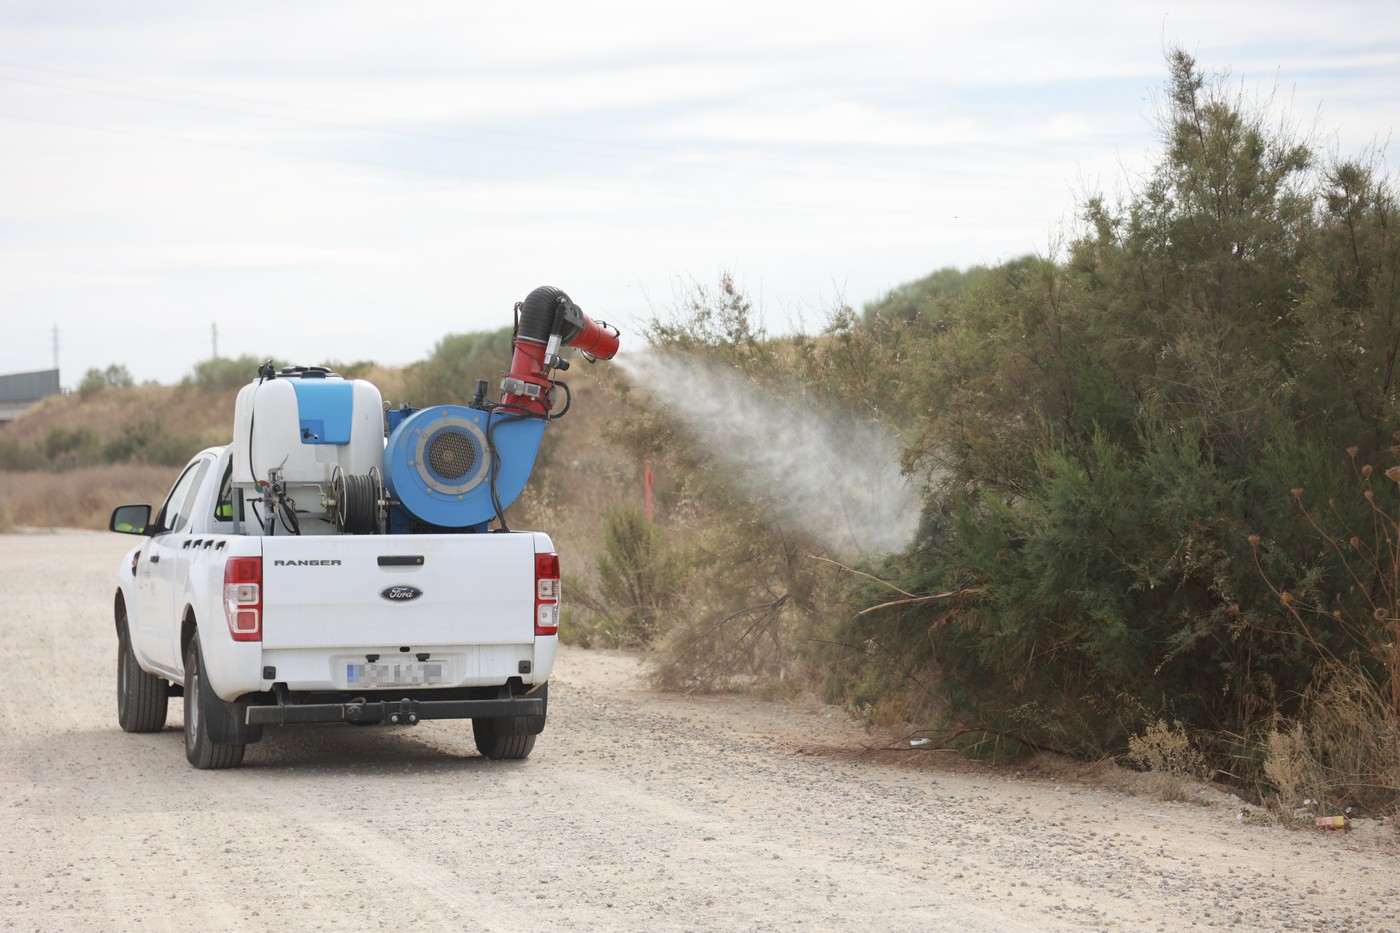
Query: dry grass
[1343,751]
[78,498]
[388,380]
[175,421]
[1166,752]
[114,412]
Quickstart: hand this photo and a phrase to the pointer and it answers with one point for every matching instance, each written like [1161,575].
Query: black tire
[142,699]
[510,737]
[496,746]
[201,703]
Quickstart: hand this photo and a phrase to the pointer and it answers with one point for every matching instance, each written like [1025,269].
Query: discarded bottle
[1332,822]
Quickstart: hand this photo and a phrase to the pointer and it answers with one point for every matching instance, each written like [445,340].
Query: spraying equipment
[310,453]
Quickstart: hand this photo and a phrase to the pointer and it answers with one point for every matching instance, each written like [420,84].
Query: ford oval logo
[400,594]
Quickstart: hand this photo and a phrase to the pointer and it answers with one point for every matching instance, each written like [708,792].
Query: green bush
[95,380]
[1104,433]
[66,448]
[148,443]
[221,374]
[17,457]
[633,576]
[449,375]
[638,582]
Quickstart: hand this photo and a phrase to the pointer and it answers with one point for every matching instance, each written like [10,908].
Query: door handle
[155,558]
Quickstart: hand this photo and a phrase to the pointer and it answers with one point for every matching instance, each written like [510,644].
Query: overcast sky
[347,179]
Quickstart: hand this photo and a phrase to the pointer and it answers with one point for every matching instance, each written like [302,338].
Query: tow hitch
[404,715]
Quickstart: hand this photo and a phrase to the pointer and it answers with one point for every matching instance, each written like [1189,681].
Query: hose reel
[354,503]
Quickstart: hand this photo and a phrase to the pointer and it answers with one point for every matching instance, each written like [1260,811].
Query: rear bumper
[404,712]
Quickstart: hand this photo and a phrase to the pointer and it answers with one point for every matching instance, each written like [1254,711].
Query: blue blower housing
[438,462]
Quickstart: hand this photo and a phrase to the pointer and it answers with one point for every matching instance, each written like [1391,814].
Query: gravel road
[637,811]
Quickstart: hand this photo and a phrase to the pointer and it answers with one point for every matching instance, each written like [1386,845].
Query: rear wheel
[142,700]
[510,736]
[201,703]
[491,743]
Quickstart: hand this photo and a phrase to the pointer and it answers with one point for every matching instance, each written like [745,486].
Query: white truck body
[361,628]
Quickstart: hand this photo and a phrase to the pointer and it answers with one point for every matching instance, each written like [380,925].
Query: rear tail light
[243,597]
[546,594]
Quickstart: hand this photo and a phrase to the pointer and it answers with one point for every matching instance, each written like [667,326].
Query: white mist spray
[831,475]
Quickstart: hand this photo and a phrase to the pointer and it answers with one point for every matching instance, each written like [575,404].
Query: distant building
[20,390]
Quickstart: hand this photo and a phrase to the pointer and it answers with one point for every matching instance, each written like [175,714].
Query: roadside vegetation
[1159,473]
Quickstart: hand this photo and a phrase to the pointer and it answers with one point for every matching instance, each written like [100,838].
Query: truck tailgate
[353,591]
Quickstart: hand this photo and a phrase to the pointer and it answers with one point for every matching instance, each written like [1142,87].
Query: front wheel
[200,704]
[142,700]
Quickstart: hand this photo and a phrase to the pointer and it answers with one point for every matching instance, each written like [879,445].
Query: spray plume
[831,475]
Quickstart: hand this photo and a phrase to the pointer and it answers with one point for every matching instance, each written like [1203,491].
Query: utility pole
[215,329]
[55,346]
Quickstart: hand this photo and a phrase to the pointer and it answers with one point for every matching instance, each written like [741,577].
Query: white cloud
[353,179]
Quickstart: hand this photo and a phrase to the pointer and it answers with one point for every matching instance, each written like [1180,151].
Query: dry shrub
[1168,754]
[715,646]
[389,380]
[1343,750]
[752,601]
[111,413]
[82,498]
[1291,768]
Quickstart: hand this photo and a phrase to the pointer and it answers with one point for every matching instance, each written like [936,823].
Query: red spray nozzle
[547,320]
[597,340]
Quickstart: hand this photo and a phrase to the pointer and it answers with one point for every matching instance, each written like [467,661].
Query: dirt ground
[637,811]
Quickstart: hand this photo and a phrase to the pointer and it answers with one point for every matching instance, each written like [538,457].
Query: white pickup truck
[315,570]
[256,629]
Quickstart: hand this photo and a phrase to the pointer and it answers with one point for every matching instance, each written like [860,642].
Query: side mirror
[130,519]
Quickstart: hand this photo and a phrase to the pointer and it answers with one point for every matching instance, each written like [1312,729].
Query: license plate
[397,674]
